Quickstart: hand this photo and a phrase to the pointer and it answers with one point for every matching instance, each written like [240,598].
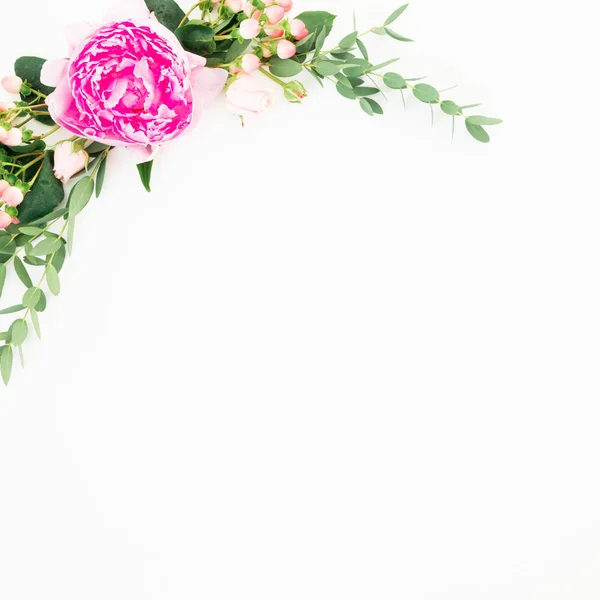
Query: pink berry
[250,63]
[12,196]
[249,29]
[5,220]
[285,49]
[14,137]
[12,84]
[298,29]
[275,14]
[4,185]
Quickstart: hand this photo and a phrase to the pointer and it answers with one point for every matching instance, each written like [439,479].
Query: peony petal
[54,71]
[77,33]
[195,60]
[207,84]
[142,154]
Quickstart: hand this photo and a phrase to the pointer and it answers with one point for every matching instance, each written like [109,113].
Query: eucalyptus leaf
[18,332]
[53,280]
[478,132]
[6,362]
[426,93]
[395,14]
[22,273]
[484,121]
[32,297]
[284,67]
[35,322]
[12,309]
[80,196]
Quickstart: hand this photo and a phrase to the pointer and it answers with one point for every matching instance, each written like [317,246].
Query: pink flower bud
[275,33]
[14,137]
[298,29]
[249,29]
[4,185]
[5,220]
[248,8]
[12,84]
[68,163]
[286,4]
[250,63]
[234,5]
[5,106]
[285,49]
[3,135]
[275,14]
[12,196]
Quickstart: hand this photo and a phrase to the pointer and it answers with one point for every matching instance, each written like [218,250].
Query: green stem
[272,77]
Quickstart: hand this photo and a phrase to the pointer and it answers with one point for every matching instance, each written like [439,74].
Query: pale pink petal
[53,71]
[195,60]
[142,154]
[77,33]
[207,84]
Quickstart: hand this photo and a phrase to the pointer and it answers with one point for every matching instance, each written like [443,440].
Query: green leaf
[80,195]
[35,146]
[168,12]
[53,280]
[358,68]
[366,106]
[362,48]
[383,64]
[197,37]
[36,323]
[2,277]
[366,91]
[349,41]
[395,14]
[319,23]
[47,246]
[28,68]
[375,106]
[397,36]
[41,305]
[32,297]
[145,171]
[6,363]
[55,214]
[34,261]
[284,67]
[479,120]
[100,176]
[236,50]
[394,81]
[478,132]
[30,230]
[12,309]
[450,108]
[45,195]
[326,67]
[426,93]
[70,236]
[345,91]
[18,332]
[58,260]
[22,273]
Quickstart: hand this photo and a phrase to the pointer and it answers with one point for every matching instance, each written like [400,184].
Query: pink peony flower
[129,82]
[68,163]
[247,96]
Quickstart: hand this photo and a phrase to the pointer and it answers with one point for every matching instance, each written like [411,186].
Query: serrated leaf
[395,14]
[22,273]
[53,280]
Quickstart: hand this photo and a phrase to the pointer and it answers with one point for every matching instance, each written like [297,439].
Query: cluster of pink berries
[10,196]
[272,20]
[12,136]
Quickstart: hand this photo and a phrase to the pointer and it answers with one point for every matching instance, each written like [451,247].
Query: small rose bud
[13,196]
[14,137]
[250,63]
[285,49]
[12,84]
[249,29]
[298,29]
[275,14]
[5,220]
[67,162]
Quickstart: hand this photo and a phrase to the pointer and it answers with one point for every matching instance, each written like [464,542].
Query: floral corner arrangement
[140,79]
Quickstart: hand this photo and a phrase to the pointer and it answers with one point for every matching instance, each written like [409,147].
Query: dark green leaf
[235,50]
[100,176]
[319,23]
[197,37]
[35,146]
[145,171]
[375,106]
[58,260]
[41,305]
[28,68]
[168,12]
[45,195]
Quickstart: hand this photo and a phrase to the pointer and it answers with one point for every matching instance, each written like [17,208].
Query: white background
[330,357]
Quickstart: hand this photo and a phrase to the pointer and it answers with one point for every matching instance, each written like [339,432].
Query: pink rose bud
[247,96]
[286,4]
[275,14]
[68,163]
[14,137]
[4,185]
[250,63]
[5,106]
[12,84]
[298,29]
[5,220]
[12,196]
[234,5]
[249,29]
[285,49]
